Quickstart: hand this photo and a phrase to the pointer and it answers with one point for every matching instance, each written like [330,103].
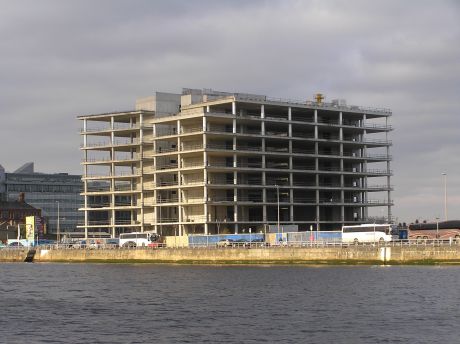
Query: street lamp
[58,231]
[278,203]
[445,195]
[437,228]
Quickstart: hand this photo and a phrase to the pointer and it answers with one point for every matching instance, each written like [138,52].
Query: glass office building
[57,195]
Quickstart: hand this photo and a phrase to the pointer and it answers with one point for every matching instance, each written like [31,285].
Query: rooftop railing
[316,105]
[161,150]
[193,182]
[109,144]
[191,147]
[167,183]
[107,128]
[108,159]
[189,130]
[192,165]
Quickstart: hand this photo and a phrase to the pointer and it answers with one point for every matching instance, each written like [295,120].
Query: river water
[143,303]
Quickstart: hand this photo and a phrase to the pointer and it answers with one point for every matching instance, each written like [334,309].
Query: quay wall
[350,254]
[13,255]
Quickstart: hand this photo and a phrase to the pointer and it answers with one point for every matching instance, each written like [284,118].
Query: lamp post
[58,230]
[278,204]
[445,195]
[437,228]
[159,216]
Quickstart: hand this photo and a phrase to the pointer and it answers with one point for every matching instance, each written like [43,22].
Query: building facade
[13,213]
[57,195]
[214,162]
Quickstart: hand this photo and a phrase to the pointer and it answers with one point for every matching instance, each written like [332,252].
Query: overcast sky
[60,59]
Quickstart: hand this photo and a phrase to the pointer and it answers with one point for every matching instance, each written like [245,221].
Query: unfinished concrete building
[216,162]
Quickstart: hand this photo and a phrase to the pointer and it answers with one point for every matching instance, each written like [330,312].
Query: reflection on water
[104,303]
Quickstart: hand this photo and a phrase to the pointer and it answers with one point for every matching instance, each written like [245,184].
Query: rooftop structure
[213,162]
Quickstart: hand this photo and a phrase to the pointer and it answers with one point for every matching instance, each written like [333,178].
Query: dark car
[15,244]
[241,243]
[259,243]
[112,243]
[41,242]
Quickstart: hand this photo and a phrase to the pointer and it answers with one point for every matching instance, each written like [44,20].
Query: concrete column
[112,172]
[205,193]
[317,211]
[342,208]
[290,124]
[291,195]
[85,128]
[204,124]
[316,132]
[180,213]
[235,216]
[388,176]
[154,144]
[206,214]
[141,167]
[262,111]
[315,118]
[233,108]
[207,108]
[364,209]
[85,174]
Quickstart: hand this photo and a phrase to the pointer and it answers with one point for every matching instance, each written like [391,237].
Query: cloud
[61,59]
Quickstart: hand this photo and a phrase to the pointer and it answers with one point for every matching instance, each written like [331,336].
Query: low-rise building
[14,213]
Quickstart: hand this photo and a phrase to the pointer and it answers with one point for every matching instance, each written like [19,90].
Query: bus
[369,233]
[435,230]
[139,239]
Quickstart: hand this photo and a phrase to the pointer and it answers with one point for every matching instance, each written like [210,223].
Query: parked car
[79,244]
[15,244]
[112,243]
[225,243]
[259,243]
[93,244]
[241,243]
[45,242]
[2,245]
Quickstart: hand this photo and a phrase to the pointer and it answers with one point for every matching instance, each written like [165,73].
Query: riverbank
[366,254]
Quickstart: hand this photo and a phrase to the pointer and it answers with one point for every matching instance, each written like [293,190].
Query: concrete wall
[161,102]
[351,255]
[13,255]
[363,254]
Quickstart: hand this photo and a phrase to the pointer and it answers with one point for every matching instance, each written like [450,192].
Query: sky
[60,59]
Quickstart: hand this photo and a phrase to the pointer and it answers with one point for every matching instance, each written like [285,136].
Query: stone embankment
[273,255]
